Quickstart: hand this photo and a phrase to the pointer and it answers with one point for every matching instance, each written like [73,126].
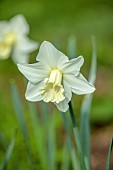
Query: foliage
[44,126]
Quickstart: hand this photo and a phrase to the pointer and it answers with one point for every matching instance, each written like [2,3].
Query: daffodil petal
[33,72]
[63,105]
[26,45]
[3,27]
[19,24]
[73,66]
[67,89]
[79,85]
[49,55]
[19,57]
[33,92]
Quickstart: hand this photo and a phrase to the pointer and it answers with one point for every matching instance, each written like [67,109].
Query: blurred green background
[56,21]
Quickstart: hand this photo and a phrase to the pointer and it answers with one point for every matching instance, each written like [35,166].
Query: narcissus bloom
[54,77]
[14,40]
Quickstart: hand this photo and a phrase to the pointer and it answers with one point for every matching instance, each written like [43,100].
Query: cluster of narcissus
[54,77]
[14,40]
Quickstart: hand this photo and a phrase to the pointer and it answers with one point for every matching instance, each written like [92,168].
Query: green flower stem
[72,115]
[74,158]
[75,129]
[77,137]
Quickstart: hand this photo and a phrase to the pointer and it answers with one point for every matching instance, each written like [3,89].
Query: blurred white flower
[14,40]
[54,77]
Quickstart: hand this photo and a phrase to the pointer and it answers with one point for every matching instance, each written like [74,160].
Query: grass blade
[8,154]
[85,111]
[109,155]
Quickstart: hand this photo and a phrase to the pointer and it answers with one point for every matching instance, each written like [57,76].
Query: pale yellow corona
[10,38]
[53,91]
[6,44]
[4,50]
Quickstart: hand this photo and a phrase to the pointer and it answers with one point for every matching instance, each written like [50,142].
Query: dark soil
[100,140]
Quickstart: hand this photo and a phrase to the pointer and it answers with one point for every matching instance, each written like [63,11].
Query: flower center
[4,50]
[6,44]
[10,38]
[53,91]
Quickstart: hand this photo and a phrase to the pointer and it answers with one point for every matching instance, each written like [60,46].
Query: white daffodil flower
[54,77]
[14,40]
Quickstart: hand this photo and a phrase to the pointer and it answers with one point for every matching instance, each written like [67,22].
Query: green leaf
[51,142]
[19,113]
[85,111]
[109,155]
[77,137]
[71,47]
[65,157]
[3,141]
[39,137]
[44,112]
[8,154]
[74,158]
[79,149]
[19,109]
[93,68]
[48,122]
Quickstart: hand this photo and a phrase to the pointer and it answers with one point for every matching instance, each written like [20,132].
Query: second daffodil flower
[14,40]
[54,77]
